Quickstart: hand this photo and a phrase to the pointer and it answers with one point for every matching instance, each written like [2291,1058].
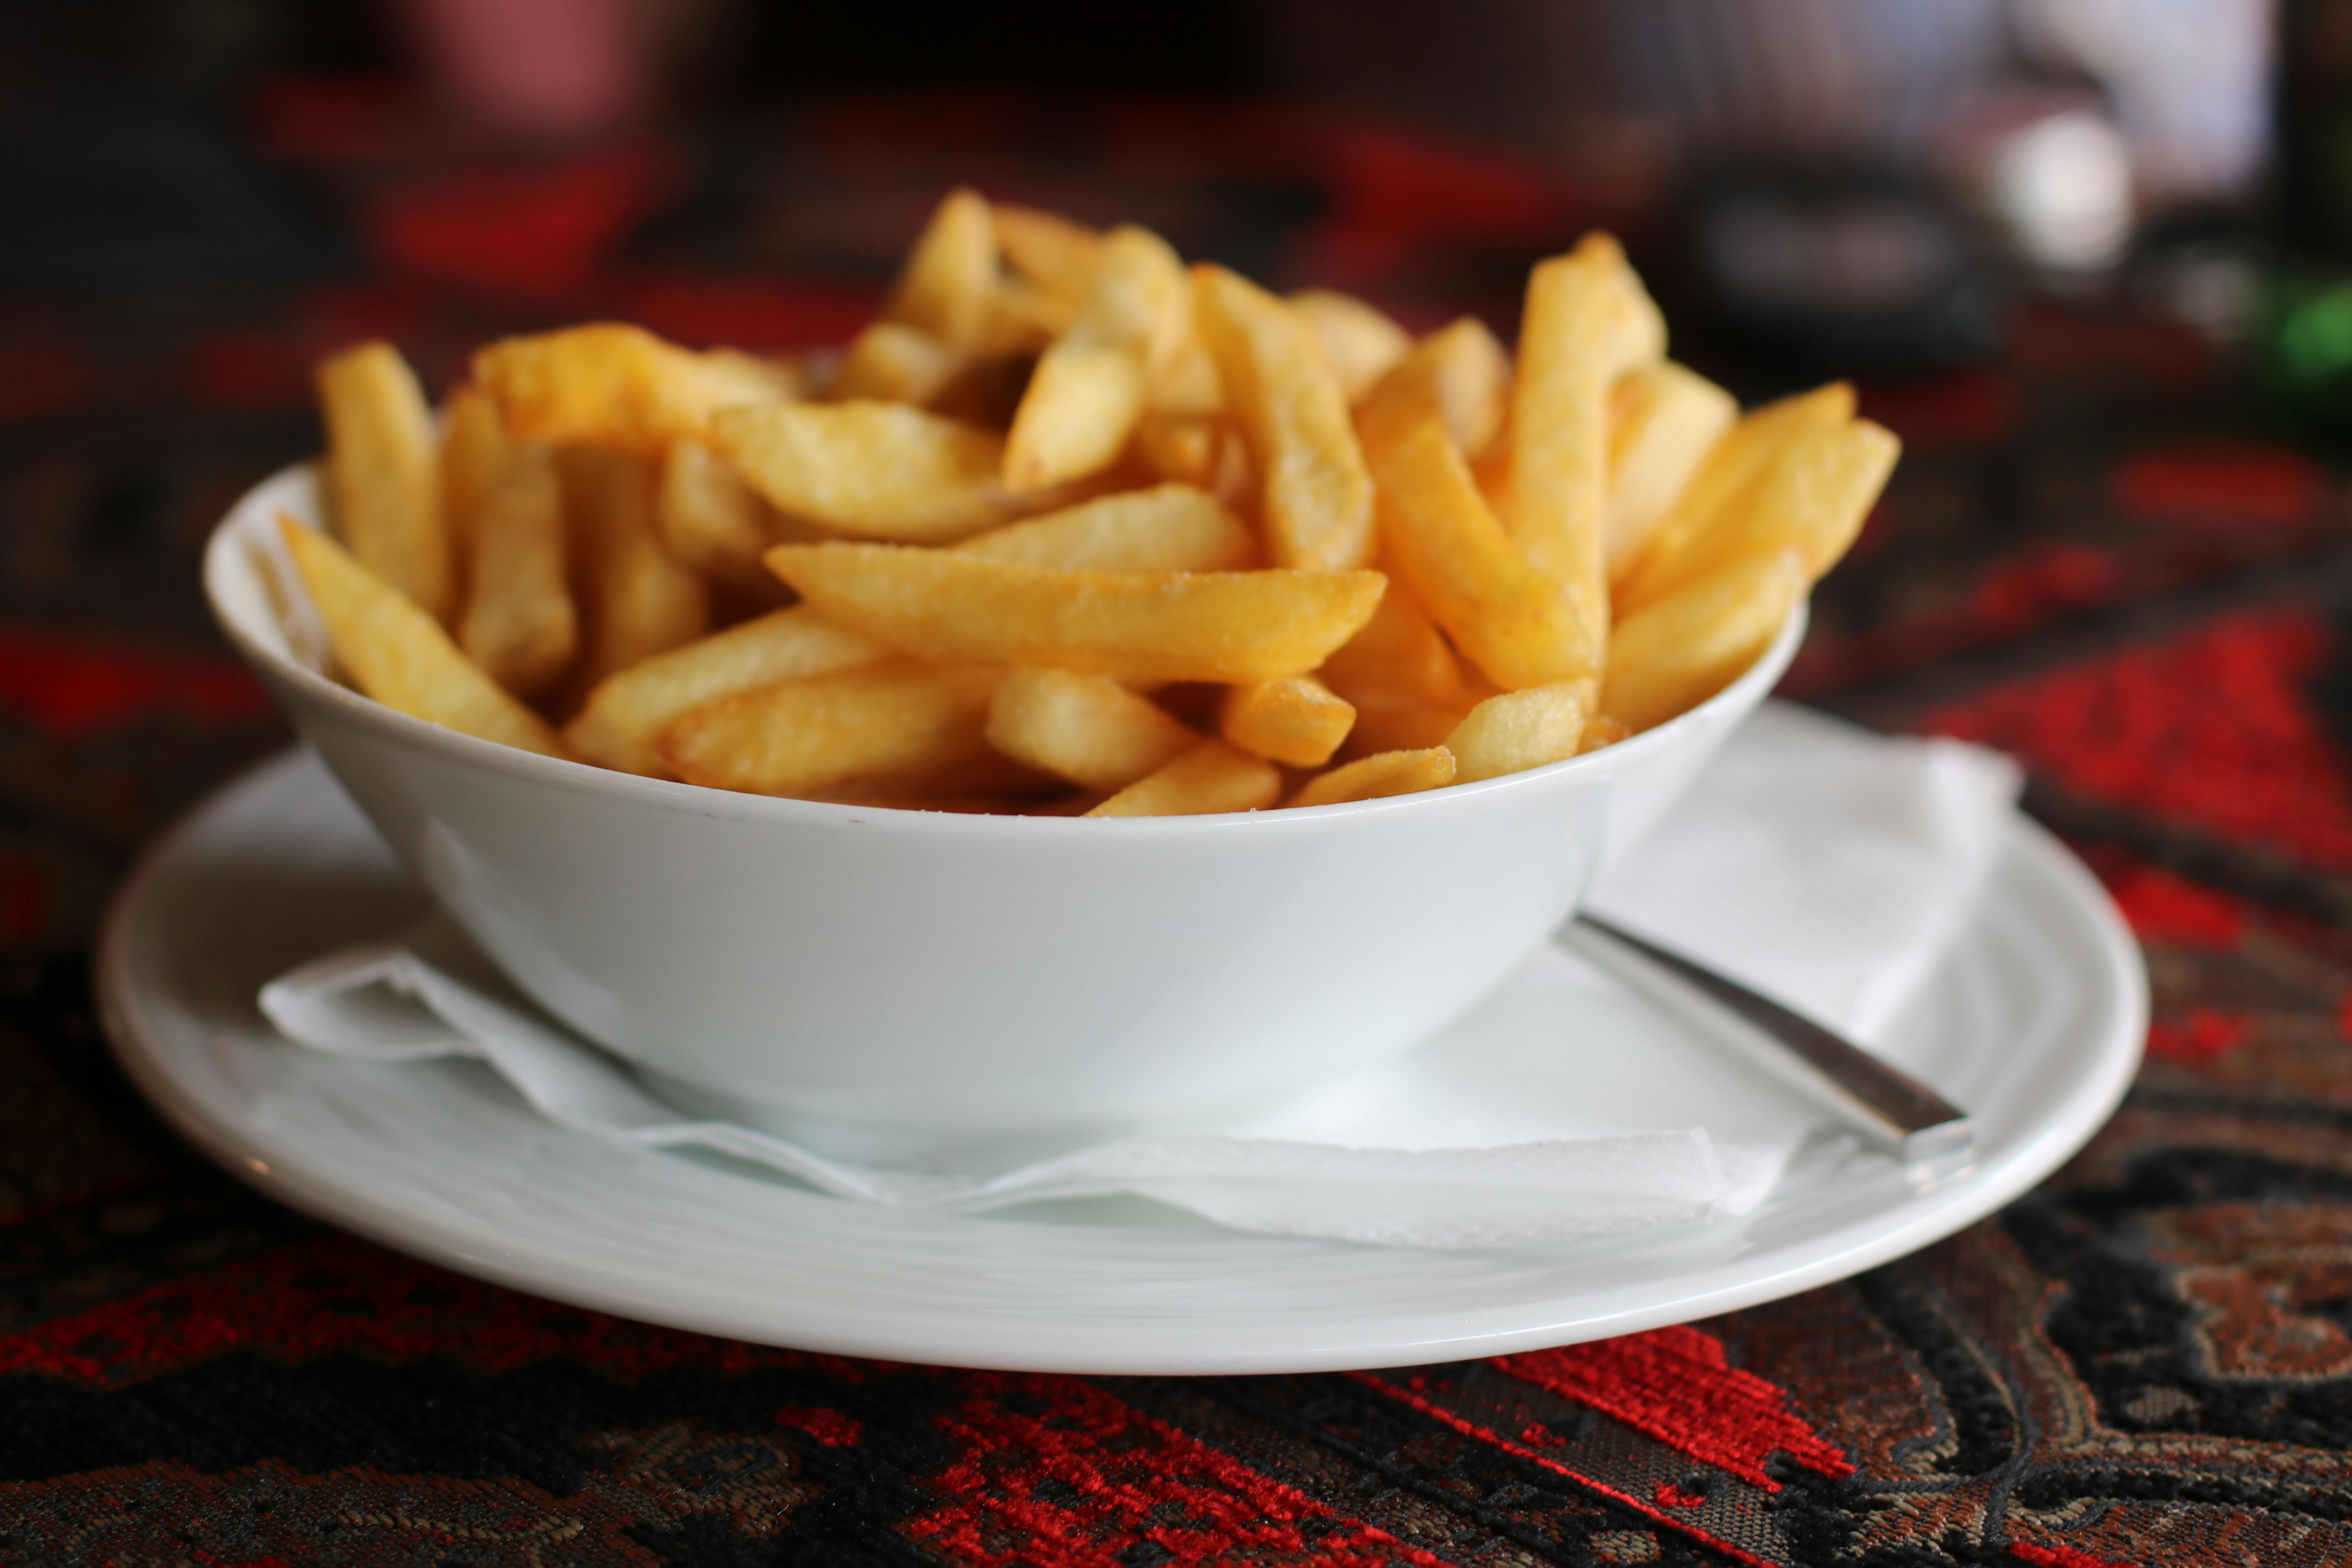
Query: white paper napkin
[1822,864]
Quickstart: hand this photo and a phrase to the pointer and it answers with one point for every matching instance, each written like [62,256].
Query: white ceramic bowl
[918,986]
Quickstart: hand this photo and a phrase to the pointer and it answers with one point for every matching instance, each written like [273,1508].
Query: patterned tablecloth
[2091,557]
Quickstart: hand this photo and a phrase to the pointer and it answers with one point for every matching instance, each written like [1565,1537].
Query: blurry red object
[529,231]
[78,685]
[2220,483]
[329,120]
[551,70]
[1961,408]
[742,313]
[41,377]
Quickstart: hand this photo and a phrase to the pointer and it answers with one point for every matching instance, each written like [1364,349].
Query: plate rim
[1107,1344]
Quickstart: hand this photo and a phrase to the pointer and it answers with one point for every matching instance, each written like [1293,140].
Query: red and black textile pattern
[2089,557]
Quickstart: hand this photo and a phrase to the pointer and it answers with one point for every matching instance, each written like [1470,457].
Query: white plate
[2035,1021]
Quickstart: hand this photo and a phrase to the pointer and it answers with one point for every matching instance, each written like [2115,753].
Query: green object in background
[2305,353]
[2313,338]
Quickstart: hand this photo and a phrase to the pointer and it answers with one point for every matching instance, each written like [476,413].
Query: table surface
[2093,556]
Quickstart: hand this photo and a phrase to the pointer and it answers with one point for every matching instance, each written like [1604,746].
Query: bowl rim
[220,560]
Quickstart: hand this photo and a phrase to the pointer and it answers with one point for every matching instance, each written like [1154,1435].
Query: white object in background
[2035,1021]
[2062,184]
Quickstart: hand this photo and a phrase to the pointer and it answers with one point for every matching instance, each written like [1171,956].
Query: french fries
[1378,777]
[1356,341]
[520,624]
[1087,393]
[1210,777]
[1226,626]
[1058,257]
[474,452]
[1520,626]
[1168,527]
[1459,375]
[949,279]
[399,654]
[1075,530]
[1295,719]
[1520,730]
[1318,496]
[872,470]
[638,599]
[1586,322]
[1087,728]
[1813,497]
[715,523]
[1676,548]
[1680,650]
[623,719]
[1663,420]
[608,385]
[802,735]
[383,474]
[1401,677]
[891,361]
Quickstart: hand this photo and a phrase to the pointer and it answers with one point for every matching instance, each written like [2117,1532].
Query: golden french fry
[715,523]
[1168,527]
[1677,651]
[624,716]
[1318,496]
[1081,409]
[874,470]
[1388,722]
[1663,421]
[1199,449]
[1058,255]
[1087,728]
[608,385]
[1210,777]
[1401,676]
[520,625]
[1188,383]
[799,736]
[1023,319]
[1399,649]
[1358,342]
[1296,719]
[1732,466]
[730,376]
[399,654]
[1379,776]
[1600,730]
[383,474]
[891,361]
[1223,626]
[951,275]
[474,449]
[637,599]
[1587,322]
[1518,626]
[1493,471]
[1181,446]
[1087,393]
[1459,375]
[1520,730]
[1814,496]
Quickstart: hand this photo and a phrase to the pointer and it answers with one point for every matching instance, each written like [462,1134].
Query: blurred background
[2092,258]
